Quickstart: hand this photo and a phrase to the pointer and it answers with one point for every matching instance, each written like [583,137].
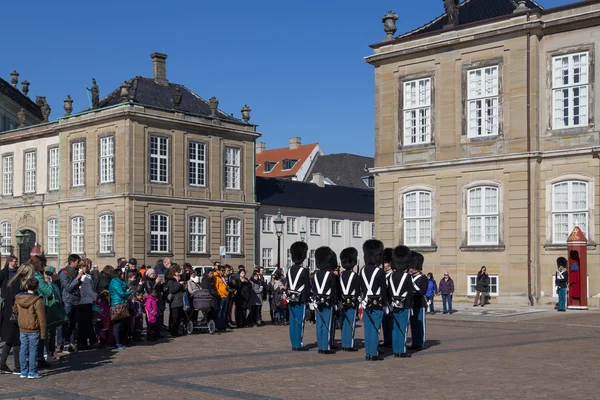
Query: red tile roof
[278,155]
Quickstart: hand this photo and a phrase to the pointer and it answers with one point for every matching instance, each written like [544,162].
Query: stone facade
[518,167]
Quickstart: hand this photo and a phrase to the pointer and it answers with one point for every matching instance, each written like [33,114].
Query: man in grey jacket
[70,281]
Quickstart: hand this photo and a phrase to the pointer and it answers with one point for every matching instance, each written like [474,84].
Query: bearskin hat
[298,252]
[401,257]
[561,262]
[373,251]
[349,258]
[325,258]
[416,260]
[387,255]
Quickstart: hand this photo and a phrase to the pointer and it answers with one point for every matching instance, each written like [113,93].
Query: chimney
[159,68]
[295,142]
[260,147]
[318,179]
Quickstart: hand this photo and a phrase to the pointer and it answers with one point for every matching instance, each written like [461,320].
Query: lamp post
[279,222]
[303,234]
[21,238]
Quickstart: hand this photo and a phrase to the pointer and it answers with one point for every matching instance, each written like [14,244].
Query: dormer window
[289,164]
[269,165]
[369,181]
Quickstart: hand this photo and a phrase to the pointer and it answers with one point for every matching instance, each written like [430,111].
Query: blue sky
[298,64]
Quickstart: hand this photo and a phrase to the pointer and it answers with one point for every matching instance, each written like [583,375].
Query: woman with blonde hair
[10,330]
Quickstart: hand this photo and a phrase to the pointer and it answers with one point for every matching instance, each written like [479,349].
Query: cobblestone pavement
[545,355]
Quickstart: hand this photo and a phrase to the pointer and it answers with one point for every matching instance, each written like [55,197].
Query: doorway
[28,243]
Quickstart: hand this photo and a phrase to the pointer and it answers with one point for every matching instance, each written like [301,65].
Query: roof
[278,155]
[473,11]
[287,193]
[15,95]
[146,91]
[343,169]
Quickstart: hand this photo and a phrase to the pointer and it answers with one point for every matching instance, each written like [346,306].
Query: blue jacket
[431,288]
[118,292]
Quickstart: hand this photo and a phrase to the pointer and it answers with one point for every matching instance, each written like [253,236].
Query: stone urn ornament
[25,85]
[177,97]
[124,92]
[246,113]
[389,25]
[68,105]
[46,111]
[14,78]
[214,104]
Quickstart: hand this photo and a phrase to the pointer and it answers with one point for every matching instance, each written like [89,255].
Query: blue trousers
[400,330]
[221,321]
[29,347]
[387,325]
[324,326]
[371,331]
[333,325]
[447,298]
[348,325]
[562,298]
[417,326]
[297,312]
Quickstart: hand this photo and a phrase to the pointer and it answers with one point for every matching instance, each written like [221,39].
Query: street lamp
[303,234]
[21,238]
[278,222]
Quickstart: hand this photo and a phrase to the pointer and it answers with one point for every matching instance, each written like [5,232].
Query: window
[159,233]
[6,232]
[78,163]
[269,165]
[482,209]
[159,159]
[233,235]
[570,86]
[197,164]
[77,235]
[472,284]
[289,258]
[482,101]
[53,236]
[53,165]
[107,159]
[417,218]
[267,223]
[417,111]
[372,230]
[356,229]
[106,234]
[30,166]
[292,225]
[569,209]
[288,164]
[335,228]
[232,168]
[369,181]
[311,260]
[267,257]
[315,227]
[7,175]
[197,235]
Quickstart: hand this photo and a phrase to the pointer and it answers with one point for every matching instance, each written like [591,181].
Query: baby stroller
[197,316]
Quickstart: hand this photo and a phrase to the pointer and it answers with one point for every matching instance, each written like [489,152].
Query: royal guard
[387,323]
[400,290]
[325,297]
[349,289]
[297,294]
[374,296]
[420,284]
[561,280]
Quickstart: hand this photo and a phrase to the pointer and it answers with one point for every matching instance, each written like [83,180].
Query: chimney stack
[159,68]
[318,179]
[295,142]
[260,147]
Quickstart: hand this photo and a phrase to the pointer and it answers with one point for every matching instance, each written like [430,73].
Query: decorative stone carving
[27,219]
[68,105]
[214,104]
[46,110]
[21,115]
[520,5]
[40,100]
[389,25]
[25,86]
[14,78]
[124,92]
[177,97]
[95,90]
[451,7]
[246,113]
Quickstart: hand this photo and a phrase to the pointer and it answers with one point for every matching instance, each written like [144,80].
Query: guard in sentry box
[325,297]
[298,293]
[350,289]
[419,308]
[400,290]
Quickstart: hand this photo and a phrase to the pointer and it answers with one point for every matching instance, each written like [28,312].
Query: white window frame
[197,234]
[292,225]
[289,258]
[8,163]
[311,260]
[416,111]
[483,97]
[267,224]
[289,161]
[6,231]
[106,234]
[232,168]
[107,159]
[53,168]
[421,220]
[472,283]
[78,163]
[572,213]
[356,229]
[159,159]
[52,236]
[269,166]
[160,233]
[372,230]
[77,235]
[233,236]
[197,164]
[482,216]
[30,172]
[314,226]
[572,88]
[267,257]
[336,228]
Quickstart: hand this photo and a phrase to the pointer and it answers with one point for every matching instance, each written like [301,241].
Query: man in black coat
[417,318]
[326,296]
[374,296]
[297,292]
